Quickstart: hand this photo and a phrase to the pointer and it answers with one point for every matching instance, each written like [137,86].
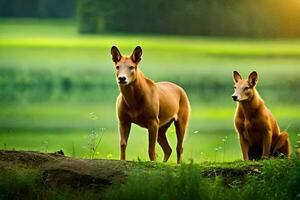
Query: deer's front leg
[244,147]
[153,131]
[124,128]
[267,141]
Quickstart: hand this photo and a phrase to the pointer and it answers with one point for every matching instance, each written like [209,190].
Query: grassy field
[26,175]
[52,78]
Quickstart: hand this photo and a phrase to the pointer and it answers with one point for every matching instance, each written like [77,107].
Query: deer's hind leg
[163,142]
[181,127]
[282,145]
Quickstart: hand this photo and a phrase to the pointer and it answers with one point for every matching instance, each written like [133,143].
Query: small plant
[224,140]
[216,153]
[73,150]
[202,157]
[94,138]
[221,150]
[45,145]
[217,150]
[109,156]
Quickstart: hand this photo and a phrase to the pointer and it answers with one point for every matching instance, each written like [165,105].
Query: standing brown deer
[153,106]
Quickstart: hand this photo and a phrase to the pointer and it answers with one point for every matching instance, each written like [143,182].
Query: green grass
[27,183]
[54,127]
[59,116]
[199,146]
[276,179]
[38,56]
[75,143]
[267,179]
[18,182]
[192,45]
[45,32]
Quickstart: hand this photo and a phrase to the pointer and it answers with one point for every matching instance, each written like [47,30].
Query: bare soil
[57,169]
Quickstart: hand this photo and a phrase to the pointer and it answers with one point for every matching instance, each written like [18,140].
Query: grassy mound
[28,175]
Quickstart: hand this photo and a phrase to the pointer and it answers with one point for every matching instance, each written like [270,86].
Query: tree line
[38,8]
[248,18]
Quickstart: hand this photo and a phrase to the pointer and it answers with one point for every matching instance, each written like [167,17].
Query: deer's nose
[122,78]
[234,97]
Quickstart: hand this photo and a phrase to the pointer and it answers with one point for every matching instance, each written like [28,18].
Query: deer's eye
[117,67]
[246,88]
[131,67]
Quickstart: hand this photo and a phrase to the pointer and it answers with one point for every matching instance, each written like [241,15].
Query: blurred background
[57,82]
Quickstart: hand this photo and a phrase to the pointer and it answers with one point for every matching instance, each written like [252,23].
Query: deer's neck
[134,93]
[251,107]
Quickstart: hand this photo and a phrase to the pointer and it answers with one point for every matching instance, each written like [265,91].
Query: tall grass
[268,179]
[26,183]
[277,179]
[19,183]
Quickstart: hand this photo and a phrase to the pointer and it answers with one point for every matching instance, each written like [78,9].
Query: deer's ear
[236,76]
[136,55]
[253,78]
[115,53]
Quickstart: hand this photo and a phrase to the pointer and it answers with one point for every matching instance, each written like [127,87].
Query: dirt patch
[60,170]
[31,158]
[81,172]
[230,175]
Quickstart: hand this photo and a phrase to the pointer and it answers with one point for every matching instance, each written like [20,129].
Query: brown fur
[259,133]
[150,105]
